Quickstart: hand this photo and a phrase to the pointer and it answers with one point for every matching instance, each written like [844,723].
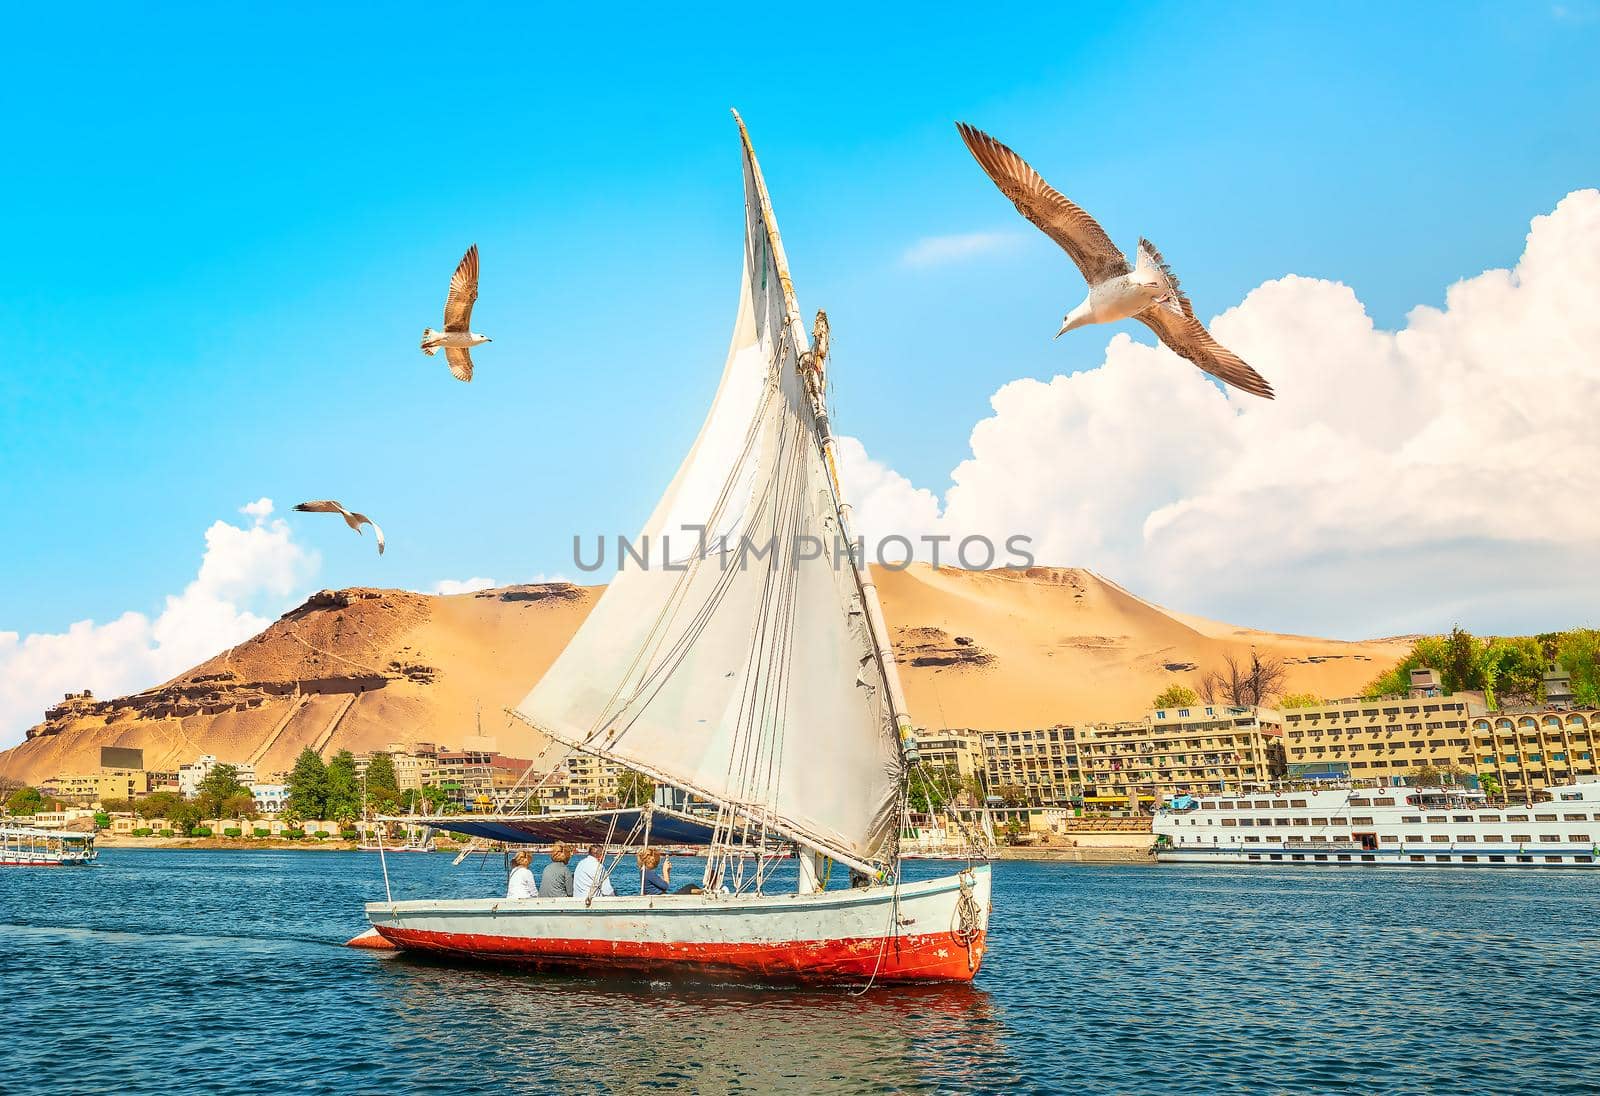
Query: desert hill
[357,669]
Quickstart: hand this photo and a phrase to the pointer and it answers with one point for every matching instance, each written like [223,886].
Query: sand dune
[358,669]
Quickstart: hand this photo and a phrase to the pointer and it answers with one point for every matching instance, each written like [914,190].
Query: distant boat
[763,685]
[1378,826]
[30,847]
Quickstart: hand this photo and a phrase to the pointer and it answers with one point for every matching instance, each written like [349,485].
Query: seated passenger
[652,881]
[589,879]
[520,885]
[556,880]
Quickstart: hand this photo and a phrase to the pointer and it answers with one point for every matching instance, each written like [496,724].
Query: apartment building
[1388,740]
[1205,748]
[959,751]
[590,780]
[191,776]
[1044,762]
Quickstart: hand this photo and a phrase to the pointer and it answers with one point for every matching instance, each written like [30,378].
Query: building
[191,776]
[1384,740]
[960,751]
[1206,748]
[1389,740]
[270,799]
[591,780]
[1044,762]
[1527,751]
[414,769]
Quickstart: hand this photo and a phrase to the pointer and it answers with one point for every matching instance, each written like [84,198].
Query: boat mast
[812,361]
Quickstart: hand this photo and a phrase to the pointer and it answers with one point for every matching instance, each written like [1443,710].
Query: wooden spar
[883,648]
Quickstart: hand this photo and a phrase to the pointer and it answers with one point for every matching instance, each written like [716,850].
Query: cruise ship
[1395,826]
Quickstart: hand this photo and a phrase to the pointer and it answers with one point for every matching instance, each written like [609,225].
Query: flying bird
[355,521]
[457,335]
[1146,290]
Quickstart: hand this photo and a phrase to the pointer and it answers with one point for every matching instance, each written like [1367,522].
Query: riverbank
[1079,854]
[238,844]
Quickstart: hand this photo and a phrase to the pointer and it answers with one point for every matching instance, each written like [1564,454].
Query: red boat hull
[929,931]
[938,957]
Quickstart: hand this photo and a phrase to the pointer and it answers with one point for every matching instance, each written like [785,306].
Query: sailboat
[748,665]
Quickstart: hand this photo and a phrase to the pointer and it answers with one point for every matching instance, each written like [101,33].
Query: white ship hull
[1421,856]
[1386,826]
[929,931]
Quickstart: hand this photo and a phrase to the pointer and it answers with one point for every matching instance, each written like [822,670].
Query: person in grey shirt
[556,881]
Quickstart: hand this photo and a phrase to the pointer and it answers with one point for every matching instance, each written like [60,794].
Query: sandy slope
[362,668]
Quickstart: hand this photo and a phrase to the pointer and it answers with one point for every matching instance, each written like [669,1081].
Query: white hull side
[923,934]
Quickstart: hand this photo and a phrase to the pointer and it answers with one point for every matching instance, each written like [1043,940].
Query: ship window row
[1442,858]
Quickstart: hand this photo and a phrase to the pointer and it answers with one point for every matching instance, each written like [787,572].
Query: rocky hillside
[360,668]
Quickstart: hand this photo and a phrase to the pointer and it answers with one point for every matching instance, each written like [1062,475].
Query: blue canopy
[667,827]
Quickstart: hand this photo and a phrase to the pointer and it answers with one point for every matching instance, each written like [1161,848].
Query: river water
[159,971]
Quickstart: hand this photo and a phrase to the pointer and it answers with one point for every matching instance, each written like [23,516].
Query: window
[1319,821]
[1361,821]
[1411,818]
[1440,838]
[1544,818]
[1551,837]
[1302,821]
[1361,802]
[1521,838]
[1466,838]
[1389,839]
[1574,818]
[1578,838]
[1488,818]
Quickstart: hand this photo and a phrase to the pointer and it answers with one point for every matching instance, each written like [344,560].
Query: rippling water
[156,971]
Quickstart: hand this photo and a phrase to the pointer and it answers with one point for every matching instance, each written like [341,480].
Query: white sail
[741,664]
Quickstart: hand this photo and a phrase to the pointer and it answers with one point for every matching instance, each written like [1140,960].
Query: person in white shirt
[589,878]
[521,884]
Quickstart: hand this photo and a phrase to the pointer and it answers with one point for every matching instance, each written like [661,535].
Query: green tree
[240,804]
[218,786]
[102,820]
[1490,785]
[1176,695]
[308,786]
[25,801]
[185,816]
[1578,653]
[929,788]
[158,805]
[634,789]
[1299,700]
[435,798]
[343,803]
[1513,670]
[1459,668]
[383,787]
[1013,795]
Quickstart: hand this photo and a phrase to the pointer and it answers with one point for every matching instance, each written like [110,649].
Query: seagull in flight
[355,521]
[457,335]
[1146,290]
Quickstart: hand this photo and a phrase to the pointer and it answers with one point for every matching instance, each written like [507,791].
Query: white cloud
[939,250]
[461,585]
[243,567]
[1401,480]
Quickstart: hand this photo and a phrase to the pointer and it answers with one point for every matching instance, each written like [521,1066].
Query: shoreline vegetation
[1131,853]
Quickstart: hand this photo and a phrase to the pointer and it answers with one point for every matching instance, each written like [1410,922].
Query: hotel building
[1388,740]
[1204,748]
[1044,762]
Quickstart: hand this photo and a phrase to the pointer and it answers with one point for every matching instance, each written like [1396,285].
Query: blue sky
[226,230]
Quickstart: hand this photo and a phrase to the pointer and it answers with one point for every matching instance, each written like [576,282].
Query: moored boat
[1378,826]
[32,847]
[749,669]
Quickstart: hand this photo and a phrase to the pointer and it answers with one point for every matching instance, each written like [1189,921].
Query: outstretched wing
[463,291]
[358,520]
[320,506]
[1186,336]
[460,362]
[1079,234]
